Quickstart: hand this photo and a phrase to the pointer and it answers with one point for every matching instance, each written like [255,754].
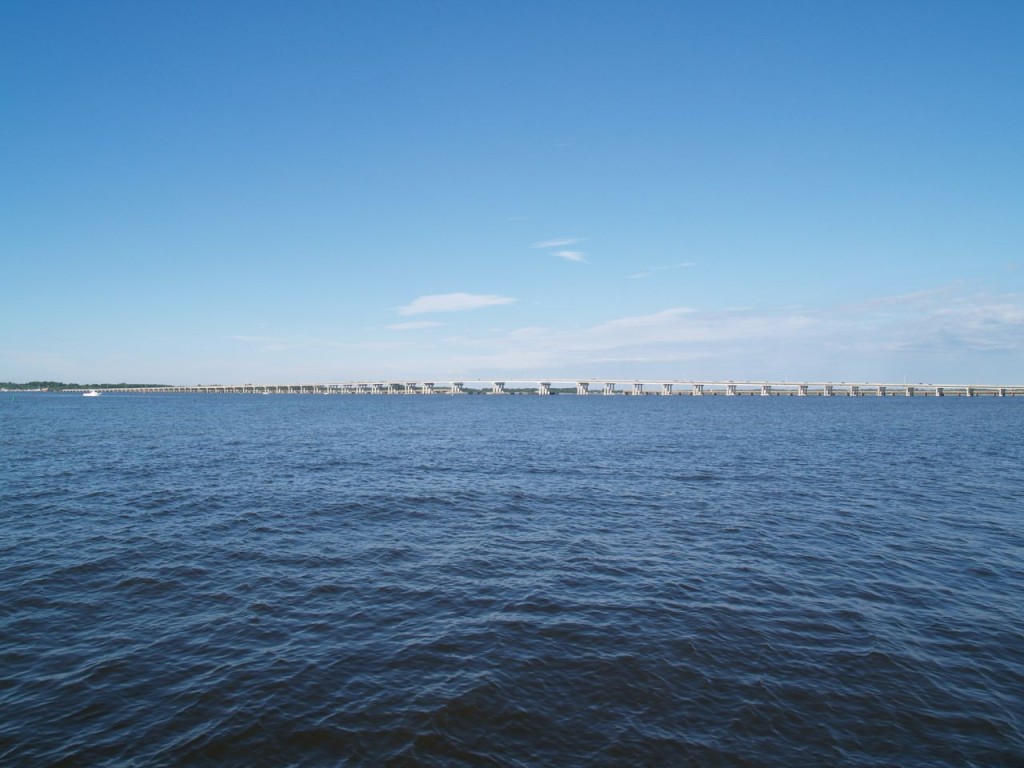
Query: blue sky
[226,192]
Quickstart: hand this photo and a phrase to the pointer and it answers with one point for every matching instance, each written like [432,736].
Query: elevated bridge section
[601,387]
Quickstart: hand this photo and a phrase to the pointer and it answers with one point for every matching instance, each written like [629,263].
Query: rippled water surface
[518,581]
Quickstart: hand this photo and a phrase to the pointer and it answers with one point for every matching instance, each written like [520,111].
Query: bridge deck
[601,387]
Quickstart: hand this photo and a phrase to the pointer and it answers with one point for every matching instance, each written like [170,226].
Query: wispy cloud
[944,333]
[414,325]
[571,255]
[655,270]
[901,300]
[563,252]
[558,242]
[677,335]
[950,333]
[452,302]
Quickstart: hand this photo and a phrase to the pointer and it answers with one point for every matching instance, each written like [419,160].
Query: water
[520,581]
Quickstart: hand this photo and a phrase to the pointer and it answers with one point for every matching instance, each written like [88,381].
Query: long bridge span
[603,387]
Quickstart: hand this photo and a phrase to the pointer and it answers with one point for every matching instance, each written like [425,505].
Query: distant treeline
[59,385]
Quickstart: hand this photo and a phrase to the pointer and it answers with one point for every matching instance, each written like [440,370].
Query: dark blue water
[520,581]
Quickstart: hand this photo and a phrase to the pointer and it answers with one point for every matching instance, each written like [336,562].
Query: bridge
[603,387]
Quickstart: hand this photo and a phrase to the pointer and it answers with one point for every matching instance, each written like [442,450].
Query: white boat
[91,393]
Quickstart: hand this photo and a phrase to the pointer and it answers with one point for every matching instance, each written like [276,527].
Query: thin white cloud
[558,242]
[452,302]
[654,270]
[414,325]
[945,331]
[951,333]
[905,299]
[571,255]
[647,321]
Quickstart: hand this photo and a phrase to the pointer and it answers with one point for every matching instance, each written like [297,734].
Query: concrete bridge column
[638,388]
[498,388]
[1001,392]
[730,390]
[543,387]
[582,388]
[908,391]
[939,392]
[766,390]
[457,388]
[427,388]
[375,389]
[801,390]
[827,391]
[666,389]
[854,390]
[609,388]
[969,391]
[698,389]
[880,391]
[410,387]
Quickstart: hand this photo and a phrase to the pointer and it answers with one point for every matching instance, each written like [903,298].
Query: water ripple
[511,582]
